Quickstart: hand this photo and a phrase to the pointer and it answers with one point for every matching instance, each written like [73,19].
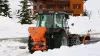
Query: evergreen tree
[1,5]
[24,13]
[4,8]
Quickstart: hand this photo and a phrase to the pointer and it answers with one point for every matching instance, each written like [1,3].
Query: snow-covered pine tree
[5,8]
[1,5]
[24,13]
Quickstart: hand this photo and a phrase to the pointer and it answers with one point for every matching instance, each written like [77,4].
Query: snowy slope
[8,27]
[11,29]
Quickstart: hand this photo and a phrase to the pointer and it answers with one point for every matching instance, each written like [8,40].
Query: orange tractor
[52,30]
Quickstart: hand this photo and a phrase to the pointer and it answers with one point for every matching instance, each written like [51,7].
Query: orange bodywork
[37,36]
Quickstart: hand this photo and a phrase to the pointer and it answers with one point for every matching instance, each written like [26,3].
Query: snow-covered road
[13,52]
[13,48]
[18,47]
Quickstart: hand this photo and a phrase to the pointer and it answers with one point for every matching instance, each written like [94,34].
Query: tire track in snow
[26,53]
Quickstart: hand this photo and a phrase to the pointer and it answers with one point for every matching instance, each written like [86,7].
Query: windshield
[58,20]
[50,20]
[45,20]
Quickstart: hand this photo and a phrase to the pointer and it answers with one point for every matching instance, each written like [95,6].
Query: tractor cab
[55,24]
[50,31]
[51,19]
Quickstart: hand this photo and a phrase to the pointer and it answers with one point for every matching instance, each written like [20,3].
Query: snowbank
[11,29]
[83,24]
[81,50]
[80,25]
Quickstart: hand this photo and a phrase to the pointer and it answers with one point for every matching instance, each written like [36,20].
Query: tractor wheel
[74,40]
[30,45]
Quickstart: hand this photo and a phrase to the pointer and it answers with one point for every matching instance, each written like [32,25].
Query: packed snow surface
[79,50]
[11,48]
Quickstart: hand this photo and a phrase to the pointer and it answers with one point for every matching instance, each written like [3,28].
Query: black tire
[74,40]
[30,45]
